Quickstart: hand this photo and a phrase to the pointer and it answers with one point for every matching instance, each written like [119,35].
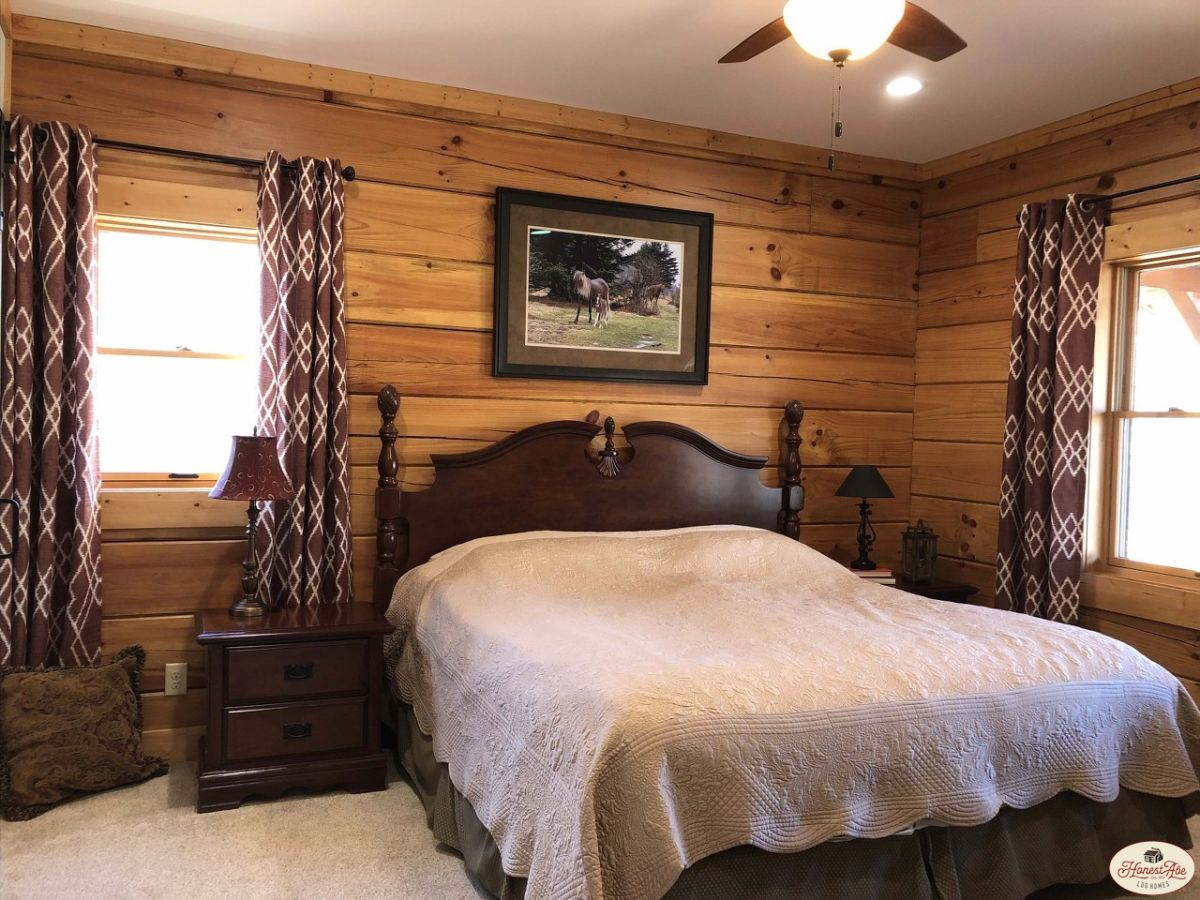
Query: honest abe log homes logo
[1151,868]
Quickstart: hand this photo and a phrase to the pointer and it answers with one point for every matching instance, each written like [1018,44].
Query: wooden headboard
[549,476]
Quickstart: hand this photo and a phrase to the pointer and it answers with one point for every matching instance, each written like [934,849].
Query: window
[1155,436]
[177,342]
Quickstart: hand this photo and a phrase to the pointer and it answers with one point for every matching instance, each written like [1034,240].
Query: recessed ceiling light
[904,86]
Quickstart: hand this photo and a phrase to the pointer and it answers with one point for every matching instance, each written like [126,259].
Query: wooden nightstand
[939,589]
[294,701]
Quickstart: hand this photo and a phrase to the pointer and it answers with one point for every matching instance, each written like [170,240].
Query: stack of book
[880,575]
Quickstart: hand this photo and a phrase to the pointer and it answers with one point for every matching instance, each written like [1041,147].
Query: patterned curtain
[49,455]
[305,541]
[1050,369]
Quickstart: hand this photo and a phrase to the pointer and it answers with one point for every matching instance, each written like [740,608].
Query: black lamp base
[866,539]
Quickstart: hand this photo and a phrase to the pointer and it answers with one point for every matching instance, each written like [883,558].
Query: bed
[619,673]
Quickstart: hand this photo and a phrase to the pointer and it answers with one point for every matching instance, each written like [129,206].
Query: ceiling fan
[842,30]
[851,29]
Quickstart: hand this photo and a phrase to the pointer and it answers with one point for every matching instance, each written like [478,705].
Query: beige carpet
[147,841]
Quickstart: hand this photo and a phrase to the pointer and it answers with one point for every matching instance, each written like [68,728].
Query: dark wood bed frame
[548,477]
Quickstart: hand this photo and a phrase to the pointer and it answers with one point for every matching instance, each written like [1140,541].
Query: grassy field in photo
[551,322]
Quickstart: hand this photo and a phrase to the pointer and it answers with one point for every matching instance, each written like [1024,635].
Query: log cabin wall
[968,258]
[814,295]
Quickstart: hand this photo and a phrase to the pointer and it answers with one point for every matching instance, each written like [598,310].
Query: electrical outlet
[176,680]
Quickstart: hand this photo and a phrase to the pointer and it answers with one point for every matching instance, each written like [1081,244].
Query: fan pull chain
[835,110]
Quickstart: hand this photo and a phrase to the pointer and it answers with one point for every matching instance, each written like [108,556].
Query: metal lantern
[919,552]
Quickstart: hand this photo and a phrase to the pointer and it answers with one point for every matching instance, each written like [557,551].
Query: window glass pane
[171,414]
[1166,340]
[1160,490]
[166,292]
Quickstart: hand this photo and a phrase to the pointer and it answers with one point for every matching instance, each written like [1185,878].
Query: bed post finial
[607,464]
[793,490]
[387,499]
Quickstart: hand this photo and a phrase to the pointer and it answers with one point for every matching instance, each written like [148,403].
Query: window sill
[136,481]
[1158,598]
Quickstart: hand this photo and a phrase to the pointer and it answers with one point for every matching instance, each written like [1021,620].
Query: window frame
[160,227]
[1119,414]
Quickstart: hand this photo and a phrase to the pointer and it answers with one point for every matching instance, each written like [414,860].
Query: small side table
[293,702]
[939,589]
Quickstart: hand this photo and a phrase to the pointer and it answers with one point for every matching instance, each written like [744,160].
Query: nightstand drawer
[939,589]
[296,729]
[307,669]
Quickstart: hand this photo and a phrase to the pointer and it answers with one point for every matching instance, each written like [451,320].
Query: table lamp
[252,474]
[866,483]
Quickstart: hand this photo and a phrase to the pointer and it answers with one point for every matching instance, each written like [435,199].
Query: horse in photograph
[651,294]
[595,292]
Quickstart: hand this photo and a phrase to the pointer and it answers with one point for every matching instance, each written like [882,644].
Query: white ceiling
[1028,62]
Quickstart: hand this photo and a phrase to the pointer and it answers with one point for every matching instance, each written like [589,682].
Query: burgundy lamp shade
[253,472]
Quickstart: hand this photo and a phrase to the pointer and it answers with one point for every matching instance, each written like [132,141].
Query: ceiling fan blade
[763,39]
[926,35]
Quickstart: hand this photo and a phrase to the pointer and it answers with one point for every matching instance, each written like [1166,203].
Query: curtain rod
[1089,202]
[348,172]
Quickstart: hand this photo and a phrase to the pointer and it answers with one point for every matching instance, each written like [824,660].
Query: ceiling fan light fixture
[904,86]
[842,29]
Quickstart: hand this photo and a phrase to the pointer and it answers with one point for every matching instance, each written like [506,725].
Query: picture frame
[642,274]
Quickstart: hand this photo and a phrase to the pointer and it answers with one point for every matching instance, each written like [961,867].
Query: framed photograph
[594,289]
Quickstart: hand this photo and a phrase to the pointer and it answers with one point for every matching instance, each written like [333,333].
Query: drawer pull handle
[297,671]
[297,731]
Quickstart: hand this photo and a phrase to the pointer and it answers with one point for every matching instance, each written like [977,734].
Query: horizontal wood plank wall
[183,60]
[967,264]
[814,298]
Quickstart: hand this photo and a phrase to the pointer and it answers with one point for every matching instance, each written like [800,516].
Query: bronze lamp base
[249,605]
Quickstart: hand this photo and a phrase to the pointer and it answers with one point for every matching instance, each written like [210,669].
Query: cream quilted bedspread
[619,706]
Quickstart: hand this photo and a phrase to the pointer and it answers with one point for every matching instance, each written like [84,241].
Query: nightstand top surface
[329,620]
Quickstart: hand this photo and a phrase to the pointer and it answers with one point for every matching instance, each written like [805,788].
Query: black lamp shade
[864,482]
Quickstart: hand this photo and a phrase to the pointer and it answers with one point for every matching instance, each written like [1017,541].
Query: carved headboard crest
[607,464]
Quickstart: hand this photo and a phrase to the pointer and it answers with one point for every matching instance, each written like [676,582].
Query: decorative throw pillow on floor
[66,732]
